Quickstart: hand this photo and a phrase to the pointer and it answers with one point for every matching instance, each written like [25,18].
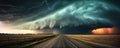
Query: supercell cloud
[79,16]
[76,14]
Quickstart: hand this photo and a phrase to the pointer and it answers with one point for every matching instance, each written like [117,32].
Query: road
[61,41]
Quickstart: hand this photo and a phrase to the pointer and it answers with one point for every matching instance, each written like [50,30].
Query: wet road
[61,41]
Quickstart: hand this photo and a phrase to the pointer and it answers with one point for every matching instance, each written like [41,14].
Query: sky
[66,16]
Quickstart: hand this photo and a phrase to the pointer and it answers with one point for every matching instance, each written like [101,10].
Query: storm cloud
[80,15]
[75,14]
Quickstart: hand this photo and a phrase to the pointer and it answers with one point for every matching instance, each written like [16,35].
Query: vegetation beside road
[112,40]
[22,40]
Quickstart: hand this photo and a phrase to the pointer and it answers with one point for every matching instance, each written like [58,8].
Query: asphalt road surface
[61,41]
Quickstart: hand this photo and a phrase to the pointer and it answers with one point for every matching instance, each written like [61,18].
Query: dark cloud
[80,15]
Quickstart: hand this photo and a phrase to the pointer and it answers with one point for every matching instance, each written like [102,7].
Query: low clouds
[68,16]
[76,14]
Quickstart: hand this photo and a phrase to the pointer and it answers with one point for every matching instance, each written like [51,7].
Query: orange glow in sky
[104,31]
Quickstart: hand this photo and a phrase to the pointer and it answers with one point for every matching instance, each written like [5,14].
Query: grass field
[18,40]
[112,40]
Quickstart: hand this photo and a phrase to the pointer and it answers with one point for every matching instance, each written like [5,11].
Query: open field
[112,40]
[18,40]
[56,41]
